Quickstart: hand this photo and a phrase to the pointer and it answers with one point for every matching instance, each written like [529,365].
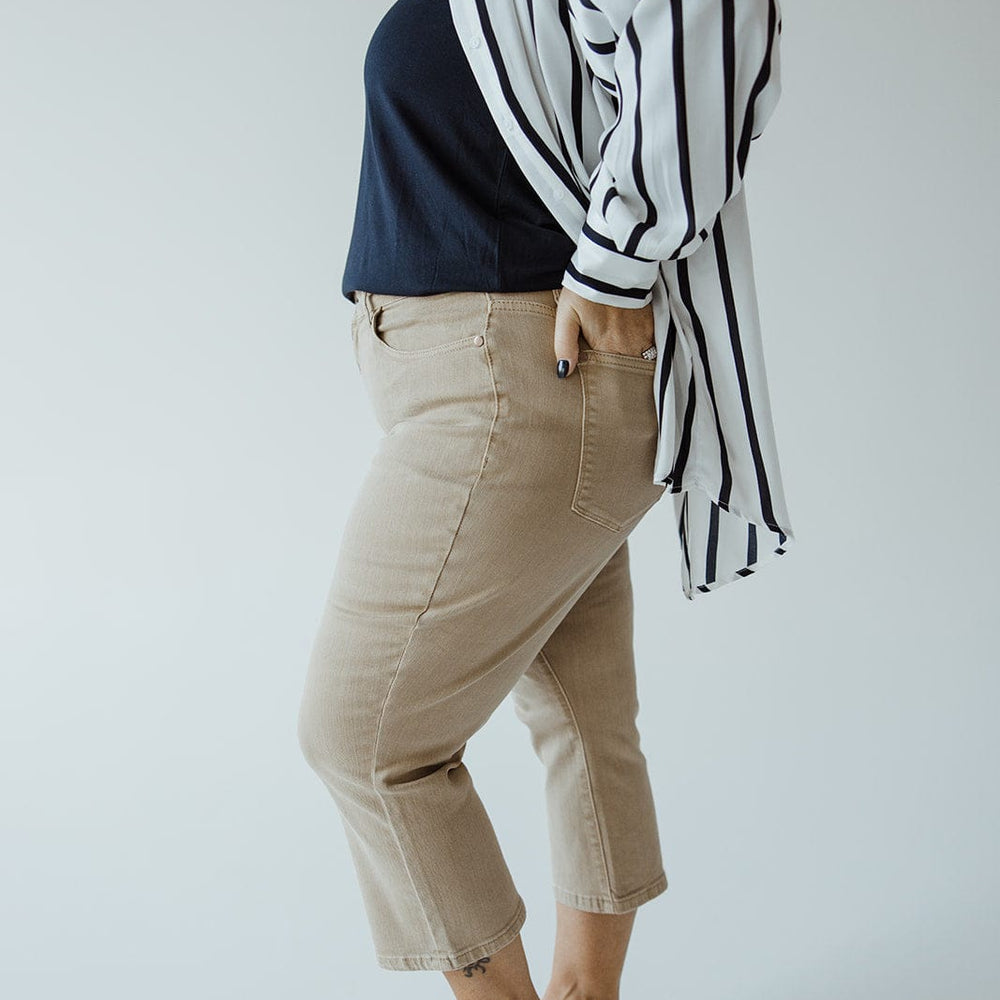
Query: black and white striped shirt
[633,120]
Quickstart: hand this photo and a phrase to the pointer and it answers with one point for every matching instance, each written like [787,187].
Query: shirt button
[478,340]
[558,193]
[474,41]
[508,123]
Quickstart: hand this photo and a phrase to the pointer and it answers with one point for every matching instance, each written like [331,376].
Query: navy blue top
[442,205]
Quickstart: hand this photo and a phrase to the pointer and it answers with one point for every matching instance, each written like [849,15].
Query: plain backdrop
[182,426]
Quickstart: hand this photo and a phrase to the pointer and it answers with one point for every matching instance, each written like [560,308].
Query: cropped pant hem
[456,960]
[614,904]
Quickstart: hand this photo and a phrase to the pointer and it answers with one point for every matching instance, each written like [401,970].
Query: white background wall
[181,425]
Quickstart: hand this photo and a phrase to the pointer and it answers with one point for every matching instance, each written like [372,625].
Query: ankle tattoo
[480,964]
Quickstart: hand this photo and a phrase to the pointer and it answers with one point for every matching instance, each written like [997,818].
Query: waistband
[545,296]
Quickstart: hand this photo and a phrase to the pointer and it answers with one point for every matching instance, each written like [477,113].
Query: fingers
[566,344]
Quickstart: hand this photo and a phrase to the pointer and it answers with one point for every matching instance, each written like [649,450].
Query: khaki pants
[485,554]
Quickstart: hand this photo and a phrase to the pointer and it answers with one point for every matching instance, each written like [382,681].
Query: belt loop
[555,294]
[366,298]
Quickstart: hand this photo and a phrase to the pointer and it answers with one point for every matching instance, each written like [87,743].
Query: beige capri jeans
[485,554]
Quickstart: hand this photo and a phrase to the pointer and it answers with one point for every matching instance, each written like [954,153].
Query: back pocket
[614,485]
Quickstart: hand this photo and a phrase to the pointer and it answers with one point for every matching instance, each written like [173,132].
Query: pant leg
[579,700]
[487,511]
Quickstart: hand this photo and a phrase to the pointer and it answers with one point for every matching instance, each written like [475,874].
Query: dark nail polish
[562,369]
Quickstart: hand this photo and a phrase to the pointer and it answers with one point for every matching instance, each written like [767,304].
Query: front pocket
[618,433]
[419,326]
[443,375]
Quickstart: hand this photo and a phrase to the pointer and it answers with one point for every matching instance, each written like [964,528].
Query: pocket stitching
[633,361]
[516,305]
[585,466]
[420,352]
[584,437]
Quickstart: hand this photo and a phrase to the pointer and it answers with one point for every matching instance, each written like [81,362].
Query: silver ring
[649,353]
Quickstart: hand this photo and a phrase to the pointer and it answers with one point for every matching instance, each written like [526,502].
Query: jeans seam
[586,766]
[409,638]
[371,309]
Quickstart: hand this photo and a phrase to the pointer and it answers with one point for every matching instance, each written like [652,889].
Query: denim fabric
[485,555]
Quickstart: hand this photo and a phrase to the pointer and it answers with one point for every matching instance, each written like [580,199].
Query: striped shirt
[633,121]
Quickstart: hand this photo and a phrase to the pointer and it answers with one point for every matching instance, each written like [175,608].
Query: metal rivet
[479,341]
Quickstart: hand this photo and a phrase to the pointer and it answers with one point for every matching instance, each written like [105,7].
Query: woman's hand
[604,328]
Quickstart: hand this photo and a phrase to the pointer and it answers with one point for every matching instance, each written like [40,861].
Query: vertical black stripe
[619,108]
[763,487]
[576,86]
[680,111]
[759,83]
[712,552]
[639,177]
[680,461]
[556,165]
[729,75]
[683,528]
[666,367]
[684,281]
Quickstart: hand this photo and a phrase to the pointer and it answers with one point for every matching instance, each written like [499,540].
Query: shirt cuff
[599,271]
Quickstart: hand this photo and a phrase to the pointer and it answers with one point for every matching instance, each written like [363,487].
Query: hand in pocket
[611,329]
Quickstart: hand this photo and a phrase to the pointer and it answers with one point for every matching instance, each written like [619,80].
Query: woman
[486,552]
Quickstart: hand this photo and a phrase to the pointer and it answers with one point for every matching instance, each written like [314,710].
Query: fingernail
[562,369]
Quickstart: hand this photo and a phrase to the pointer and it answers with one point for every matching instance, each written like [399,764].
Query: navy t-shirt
[442,205]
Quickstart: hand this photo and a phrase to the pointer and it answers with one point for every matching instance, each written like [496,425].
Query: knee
[335,738]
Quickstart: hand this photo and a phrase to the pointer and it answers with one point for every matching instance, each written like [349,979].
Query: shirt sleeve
[696,81]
